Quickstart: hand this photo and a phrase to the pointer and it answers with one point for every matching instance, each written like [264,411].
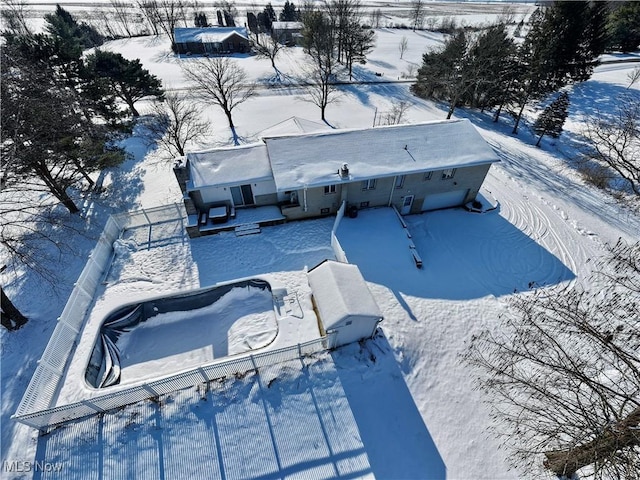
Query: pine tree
[114,75]
[445,75]
[268,17]
[289,12]
[551,120]
[61,24]
[560,48]
[252,23]
[623,26]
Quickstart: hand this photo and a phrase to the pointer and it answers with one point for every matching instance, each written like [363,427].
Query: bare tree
[151,13]
[633,76]
[320,46]
[376,17]
[170,14]
[563,373]
[223,82]
[396,115]
[269,47]
[417,13]
[14,13]
[123,15]
[614,141]
[320,85]
[176,123]
[404,44]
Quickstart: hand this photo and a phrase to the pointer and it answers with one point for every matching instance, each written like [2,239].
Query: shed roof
[208,34]
[229,166]
[314,159]
[340,291]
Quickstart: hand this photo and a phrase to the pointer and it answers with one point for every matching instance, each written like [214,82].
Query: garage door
[444,200]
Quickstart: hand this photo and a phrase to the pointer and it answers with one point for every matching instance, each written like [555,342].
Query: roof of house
[286,25]
[229,166]
[314,159]
[293,125]
[340,291]
[208,35]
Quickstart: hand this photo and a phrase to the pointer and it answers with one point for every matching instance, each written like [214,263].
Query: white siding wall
[221,194]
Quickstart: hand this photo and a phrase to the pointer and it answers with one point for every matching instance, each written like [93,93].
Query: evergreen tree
[228,19]
[268,17]
[61,24]
[200,20]
[46,133]
[490,67]
[252,23]
[114,75]
[445,75]
[623,26]
[561,47]
[289,12]
[551,120]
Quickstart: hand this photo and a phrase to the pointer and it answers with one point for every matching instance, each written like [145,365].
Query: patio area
[241,219]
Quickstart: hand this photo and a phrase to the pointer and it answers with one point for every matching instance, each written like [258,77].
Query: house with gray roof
[212,40]
[416,168]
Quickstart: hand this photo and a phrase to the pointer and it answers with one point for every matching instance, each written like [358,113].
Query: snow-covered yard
[399,406]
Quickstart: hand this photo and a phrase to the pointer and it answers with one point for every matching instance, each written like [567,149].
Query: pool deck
[131,280]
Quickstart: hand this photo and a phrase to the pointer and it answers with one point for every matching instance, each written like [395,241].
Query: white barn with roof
[416,168]
[343,302]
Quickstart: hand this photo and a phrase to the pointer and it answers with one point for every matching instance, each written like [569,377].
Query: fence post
[150,390]
[203,373]
[92,406]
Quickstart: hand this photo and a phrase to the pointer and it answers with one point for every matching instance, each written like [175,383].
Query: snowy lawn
[411,413]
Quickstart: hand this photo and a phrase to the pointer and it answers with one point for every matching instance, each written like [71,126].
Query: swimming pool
[172,333]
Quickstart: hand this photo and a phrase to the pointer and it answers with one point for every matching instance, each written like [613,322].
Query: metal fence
[47,417]
[35,408]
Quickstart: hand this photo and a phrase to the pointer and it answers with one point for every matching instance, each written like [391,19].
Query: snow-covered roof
[208,35]
[286,25]
[340,291]
[314,159]
[293,125]
[229,166]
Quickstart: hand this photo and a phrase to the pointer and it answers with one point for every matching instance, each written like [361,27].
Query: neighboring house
[212,40]
[288,33]
[416,168]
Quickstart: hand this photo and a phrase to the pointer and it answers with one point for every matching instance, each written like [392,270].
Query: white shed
[343,301]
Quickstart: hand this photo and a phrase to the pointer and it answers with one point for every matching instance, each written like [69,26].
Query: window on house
[399,181]
[427,176]
[364,204]
[324,211]
[448,173]
[369,184]
[329,189]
